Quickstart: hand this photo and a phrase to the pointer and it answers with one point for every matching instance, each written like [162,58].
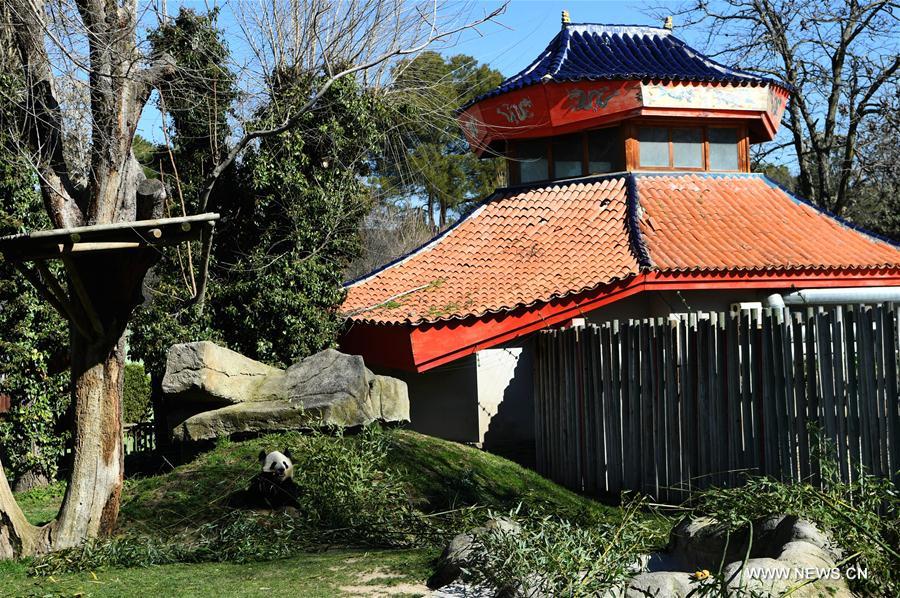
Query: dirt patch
[377,583]
[376,591]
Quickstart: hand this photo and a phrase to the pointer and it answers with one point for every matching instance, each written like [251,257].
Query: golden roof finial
[669,24]
[565,18]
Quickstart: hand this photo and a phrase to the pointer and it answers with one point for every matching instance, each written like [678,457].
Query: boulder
[749,578]
[698,543]
[784,549]
[330,378]
[452,561]
[207,373]
[213,392]
[671,584]
[392,398]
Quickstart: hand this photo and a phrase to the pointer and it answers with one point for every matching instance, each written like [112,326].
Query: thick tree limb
[17,536]
[41,117]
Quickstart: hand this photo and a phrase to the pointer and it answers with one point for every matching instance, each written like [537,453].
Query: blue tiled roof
[591,52]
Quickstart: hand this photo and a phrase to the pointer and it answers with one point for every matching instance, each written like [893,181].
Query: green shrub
[136,394]
[862,517]
[554,557]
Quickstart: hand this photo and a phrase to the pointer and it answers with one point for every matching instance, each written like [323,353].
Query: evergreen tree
[430,158]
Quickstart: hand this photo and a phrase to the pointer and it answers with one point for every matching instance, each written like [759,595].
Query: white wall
[506,397]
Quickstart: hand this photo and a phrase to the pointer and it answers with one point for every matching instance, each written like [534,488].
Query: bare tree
[841,58]
[388,232]
[96,45]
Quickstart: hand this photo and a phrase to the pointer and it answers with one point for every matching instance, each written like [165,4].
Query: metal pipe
[835,296]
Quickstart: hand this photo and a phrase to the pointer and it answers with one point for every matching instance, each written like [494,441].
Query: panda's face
[276,464]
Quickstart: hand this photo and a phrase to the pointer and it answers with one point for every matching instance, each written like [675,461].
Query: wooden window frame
[633,146]
[513,163]
[628,135]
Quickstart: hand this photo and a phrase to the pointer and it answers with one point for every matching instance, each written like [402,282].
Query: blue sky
[524,30]
[530,25]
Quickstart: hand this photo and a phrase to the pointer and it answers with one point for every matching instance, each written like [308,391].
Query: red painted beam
[438,343]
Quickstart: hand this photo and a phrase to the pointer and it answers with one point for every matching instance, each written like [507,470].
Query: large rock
[391,397]
[784,548]
[330,378]
[457,553]
[671,584]
[207,373]
[328,388]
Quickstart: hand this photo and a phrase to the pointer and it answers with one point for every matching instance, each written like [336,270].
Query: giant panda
[273,487]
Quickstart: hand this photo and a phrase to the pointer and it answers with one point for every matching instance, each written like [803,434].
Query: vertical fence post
[666,407]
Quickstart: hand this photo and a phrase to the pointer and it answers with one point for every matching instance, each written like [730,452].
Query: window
[723,148]
[567,157]
[532,158]
[654,146]
[603,150]
[689,148]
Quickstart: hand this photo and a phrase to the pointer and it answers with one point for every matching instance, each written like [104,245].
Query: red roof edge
[424,347]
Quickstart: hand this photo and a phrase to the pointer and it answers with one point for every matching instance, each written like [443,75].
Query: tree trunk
[17,536]
[92,499]
[31,479]
[430,214]
[112,286]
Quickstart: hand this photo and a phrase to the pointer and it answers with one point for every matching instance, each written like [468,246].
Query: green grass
[42,504]
[439,476]
[332,573]
[445,475]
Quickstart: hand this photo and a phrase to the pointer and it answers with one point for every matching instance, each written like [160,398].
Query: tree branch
[41,117]
[295,118]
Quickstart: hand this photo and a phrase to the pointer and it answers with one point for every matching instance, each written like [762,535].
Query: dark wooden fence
[669,406]
[139,438]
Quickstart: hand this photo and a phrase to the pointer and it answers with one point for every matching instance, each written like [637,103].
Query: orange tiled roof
[524,246]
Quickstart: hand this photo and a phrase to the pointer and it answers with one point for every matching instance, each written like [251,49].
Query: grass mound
[376,489]
[438,475]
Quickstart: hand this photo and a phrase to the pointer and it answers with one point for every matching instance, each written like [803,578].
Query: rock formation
[212,392]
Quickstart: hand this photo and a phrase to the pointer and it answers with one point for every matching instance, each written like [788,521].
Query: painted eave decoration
[531,257]
[591,75]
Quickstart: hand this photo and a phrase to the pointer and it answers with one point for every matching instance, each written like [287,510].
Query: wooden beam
[84,298]
[99,246]
[119,226]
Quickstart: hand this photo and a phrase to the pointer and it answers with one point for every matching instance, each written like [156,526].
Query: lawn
[438,476]
[326,574]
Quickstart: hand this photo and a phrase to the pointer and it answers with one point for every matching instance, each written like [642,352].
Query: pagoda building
[630,196]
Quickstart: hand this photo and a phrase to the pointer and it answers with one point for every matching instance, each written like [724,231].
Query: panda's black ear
[287,453]
[262,456]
